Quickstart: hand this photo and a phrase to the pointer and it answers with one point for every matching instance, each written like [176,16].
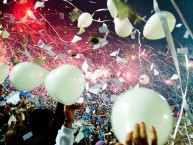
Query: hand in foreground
[69,112]
[139,136]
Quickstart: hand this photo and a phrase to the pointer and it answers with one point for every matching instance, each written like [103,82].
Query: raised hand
[69,112]
[139,136]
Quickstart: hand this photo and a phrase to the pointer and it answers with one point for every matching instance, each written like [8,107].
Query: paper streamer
[185,127]
[174,56]
[24,46]
[182,18]
[101,10]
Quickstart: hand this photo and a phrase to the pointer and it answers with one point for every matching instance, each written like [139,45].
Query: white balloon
[65,84]
[153,28]
[84,20]
[139,105]
[144,79]
[4,72]
[112,8]
[27,76]
[123,28]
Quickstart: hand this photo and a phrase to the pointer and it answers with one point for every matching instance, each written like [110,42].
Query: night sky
[143,8]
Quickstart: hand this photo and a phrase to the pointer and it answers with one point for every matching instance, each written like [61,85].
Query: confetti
[104,86]
[77,56]
[39,4]
[12,20]
[51,53]
[186,35]
[104,96]
[117,83]
[114,53]
[62,56]
[122,60]
[178,25]
[41,44]
[76,39]
[175,77]
[155,72]
[31,14]
[5,34]
[102,43]
[95,89]
[94,38]
[92,2]
[61,15]
[14,99]
[87,87]
[74,15]
[182,50]
[2,103]
[85,67]
[104,29]
[133,34]
[5,1]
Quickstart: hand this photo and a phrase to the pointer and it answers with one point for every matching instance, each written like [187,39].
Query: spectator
[65,135]
[14,135]
[44,125]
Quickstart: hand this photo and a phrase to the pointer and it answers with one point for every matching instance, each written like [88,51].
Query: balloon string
[182,18]
[139,42]
[174,56]
[100,10]
[24,46]
[52,27]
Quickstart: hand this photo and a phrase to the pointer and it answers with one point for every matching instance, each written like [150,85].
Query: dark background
[142,7]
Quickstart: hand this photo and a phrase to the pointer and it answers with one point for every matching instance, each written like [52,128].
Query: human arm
[139,136]
[65,135]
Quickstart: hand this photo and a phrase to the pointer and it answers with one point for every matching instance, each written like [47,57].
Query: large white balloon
[139,105]
[65,84]
[112,8]
[4,72]
[84,20]
[123,28]
[153,28]
[27,76]
[144,79]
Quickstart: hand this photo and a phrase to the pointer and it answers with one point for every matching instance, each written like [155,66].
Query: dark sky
[142,7]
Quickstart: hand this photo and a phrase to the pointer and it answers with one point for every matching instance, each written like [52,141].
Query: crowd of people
[41,120]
